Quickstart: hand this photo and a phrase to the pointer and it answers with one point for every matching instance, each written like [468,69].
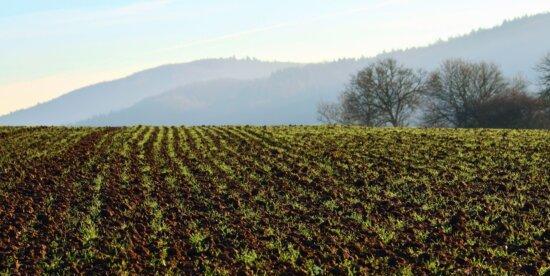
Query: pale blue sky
[48,47]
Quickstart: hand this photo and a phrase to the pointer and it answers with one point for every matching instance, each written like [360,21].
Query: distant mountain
[106,97]
[277,94]
[290,96]
[286,97]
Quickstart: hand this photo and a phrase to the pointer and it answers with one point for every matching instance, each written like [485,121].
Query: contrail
[225,37]
[278,26]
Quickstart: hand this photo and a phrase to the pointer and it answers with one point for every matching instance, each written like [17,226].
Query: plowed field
[274,200]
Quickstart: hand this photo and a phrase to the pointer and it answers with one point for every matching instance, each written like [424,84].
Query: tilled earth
[274,200]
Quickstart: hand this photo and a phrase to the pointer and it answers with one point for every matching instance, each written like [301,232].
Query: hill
[516,45]
[252,92]
[273,200]
[114,95]
[286,97]
[290,96]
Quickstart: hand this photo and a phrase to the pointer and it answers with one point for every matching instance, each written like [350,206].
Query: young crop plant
[289,254]
[248,257]
[198,241]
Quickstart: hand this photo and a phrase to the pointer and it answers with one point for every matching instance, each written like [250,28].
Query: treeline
[458,94]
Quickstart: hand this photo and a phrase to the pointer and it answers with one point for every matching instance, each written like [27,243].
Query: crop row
[275,200]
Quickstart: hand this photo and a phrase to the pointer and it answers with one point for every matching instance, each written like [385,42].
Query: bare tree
[383,93]
[353,108]
[457,89]
[358,107]
[544,69]
[329,113]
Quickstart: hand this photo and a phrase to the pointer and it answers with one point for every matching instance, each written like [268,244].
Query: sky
[50,47]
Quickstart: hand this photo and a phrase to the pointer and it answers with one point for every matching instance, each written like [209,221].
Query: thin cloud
[245,33]
[77,15]
[55,22]
[225,37]
[134,9]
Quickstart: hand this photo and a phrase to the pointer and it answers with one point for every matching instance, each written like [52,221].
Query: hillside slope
[290,96]
[516,45]
[286,97]
[114,95]
[253,92]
